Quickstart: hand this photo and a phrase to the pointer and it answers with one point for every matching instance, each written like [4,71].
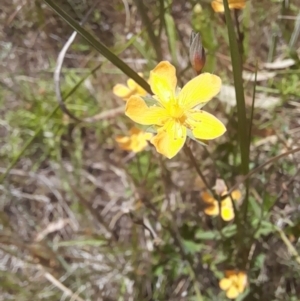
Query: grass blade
[239,90]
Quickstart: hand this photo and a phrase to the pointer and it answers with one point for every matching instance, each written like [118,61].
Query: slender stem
[240,34]
[288,244]
[237,67]
[194,162]
[260,167]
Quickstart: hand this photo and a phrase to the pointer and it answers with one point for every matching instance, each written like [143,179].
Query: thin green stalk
[245,204]
[292,250]
[260,167]
[239,90]
[240,35]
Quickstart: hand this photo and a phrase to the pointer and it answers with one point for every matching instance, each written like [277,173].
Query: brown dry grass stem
[260,167]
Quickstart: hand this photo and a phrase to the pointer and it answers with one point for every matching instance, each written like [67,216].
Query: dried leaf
[280,64]
[265,101]
[261,76]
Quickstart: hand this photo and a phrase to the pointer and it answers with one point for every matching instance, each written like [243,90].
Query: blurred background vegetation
[81,219]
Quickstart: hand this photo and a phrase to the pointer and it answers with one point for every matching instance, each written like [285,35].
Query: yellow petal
[122,91]
[226,202]
[163,81]
[232,293]
[131,84]
[135,88]
[138,111]
[140,91]
[122,139]
[236,195]
[136,142]
[205,126]
[124,143]
[140,134]
[217,6]
[199,90]
[148,136]
[138,145]
[230,274]
[135,131]
[212,209]
[237,4]
[170,139]
[227,213]
[207,197]
[225,284]
[242,281]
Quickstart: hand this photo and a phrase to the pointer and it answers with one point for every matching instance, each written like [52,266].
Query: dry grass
[82,220]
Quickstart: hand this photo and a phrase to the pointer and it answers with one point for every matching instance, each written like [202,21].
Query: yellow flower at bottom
[132,88]
[136,142]
[234,283]
[176,114]
[227,211]
[218,5]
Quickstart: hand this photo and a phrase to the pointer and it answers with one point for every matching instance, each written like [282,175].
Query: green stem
[239,90]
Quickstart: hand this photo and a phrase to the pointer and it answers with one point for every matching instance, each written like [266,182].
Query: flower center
[175,111]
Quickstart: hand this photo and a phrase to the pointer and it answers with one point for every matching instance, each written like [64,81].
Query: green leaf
[208,235]
[257,209]
[191,246]
[265,228]
[229,230]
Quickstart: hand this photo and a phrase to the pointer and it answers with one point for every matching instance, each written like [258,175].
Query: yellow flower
[218,5]
[175,113]
[234,283]
[227,211]
[136,142]
[132,88]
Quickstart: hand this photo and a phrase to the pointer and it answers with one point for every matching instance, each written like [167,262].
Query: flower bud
[197,52]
